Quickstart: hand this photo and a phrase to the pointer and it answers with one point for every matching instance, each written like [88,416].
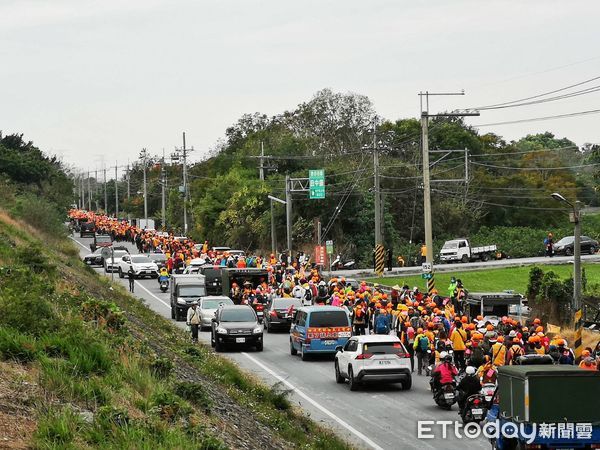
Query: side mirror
[339,348]
[214,319]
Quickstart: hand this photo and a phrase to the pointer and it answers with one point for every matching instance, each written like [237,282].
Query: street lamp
[273,236]
[574,218]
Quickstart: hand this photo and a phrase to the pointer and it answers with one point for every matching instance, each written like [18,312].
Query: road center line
[137,282]
[321,408]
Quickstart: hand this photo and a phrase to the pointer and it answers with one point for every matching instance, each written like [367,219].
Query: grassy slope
[140,385]
[493,280]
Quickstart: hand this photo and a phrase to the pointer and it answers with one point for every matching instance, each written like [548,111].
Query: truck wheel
[259,347]
[464,259]
[485,257]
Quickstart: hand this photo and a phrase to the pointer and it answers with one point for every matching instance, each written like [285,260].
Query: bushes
[161,367]
[168,406]
[41,214]
[57,429]
[106,314]
[551,296]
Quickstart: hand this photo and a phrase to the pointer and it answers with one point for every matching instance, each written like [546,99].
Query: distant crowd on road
[431,326]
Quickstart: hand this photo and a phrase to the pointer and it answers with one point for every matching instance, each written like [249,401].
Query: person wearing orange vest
[498,351]
[459,344]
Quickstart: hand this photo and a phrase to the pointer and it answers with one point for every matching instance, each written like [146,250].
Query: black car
[94,259]
[101,240]
[278,314]
[566,245]
[236,325]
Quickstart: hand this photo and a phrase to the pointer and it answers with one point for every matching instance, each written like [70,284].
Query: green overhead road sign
[329,245]
[316,184]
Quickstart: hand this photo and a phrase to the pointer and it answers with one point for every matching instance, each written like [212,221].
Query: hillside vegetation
[85,365]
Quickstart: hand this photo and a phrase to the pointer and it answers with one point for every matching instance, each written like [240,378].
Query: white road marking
[324,410]
[137,282]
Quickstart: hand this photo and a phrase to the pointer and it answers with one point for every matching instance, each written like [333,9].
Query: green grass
[492,280]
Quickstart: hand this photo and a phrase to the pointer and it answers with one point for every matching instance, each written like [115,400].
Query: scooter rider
[469,385]
[444,373]
[163,275]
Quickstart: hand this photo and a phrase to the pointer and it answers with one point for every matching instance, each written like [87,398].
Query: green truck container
[549,394]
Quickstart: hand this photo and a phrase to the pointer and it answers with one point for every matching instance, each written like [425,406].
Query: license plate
[385,362]
[448,396]
[344,334]
[329,342]
[477,411]
[240,340]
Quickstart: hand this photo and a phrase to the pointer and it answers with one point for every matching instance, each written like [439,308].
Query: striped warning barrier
[379,259]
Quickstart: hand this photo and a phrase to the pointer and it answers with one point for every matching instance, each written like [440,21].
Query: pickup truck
[460,250]
[546,407]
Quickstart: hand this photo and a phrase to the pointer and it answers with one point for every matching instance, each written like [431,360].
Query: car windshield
[158,257]
[214,304]
[140,259]
[192,291]
[383,348]
[103,238]
[566,240]
[238,315]
[285,303]
[98,251]
[118,254]
[328,319]
[450,245]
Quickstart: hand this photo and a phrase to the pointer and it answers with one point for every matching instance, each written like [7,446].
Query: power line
[538,119]
[480,108]
[493,166]
[490,155]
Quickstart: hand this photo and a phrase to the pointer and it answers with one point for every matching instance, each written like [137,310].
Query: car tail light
[259,307]
[364,356]
[273,313]
[307,341]
[402,355]
[476,401]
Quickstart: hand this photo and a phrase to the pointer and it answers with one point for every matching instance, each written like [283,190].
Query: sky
[94,82]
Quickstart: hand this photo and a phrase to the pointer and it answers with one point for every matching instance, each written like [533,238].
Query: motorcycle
[475,409]
[164,284]
[446,395]
[339,264]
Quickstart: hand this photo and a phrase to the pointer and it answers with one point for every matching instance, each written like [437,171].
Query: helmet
[512,333]
[471,370]
[443,355]
[447,357]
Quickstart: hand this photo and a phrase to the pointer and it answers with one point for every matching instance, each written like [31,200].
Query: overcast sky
[88,80]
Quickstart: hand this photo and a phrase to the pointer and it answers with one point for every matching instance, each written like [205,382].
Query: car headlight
[181,301]
[221,330]
[257,330]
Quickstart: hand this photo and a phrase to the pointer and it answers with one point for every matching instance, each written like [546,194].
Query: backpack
[423,344]
[414,322]
[381,324]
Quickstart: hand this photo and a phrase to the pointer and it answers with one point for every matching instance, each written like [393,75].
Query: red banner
[321,255]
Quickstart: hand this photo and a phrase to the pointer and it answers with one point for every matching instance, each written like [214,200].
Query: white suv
[142,266]
[380,358]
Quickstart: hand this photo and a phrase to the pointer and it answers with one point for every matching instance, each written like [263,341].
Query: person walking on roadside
[193,321]
[549,245]
[421,346]
[131,276]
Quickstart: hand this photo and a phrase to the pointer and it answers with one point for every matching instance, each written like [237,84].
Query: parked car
[94,258]
[185,289]
[276,315]
[566,245]
[236,325]
[319,329]
[379,358]
[111,262]
[142,266]
[207,307]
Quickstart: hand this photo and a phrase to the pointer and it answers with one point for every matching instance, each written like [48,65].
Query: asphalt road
[378,417]
[476,265]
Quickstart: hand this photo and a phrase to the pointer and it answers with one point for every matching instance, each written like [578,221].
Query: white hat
[470,370]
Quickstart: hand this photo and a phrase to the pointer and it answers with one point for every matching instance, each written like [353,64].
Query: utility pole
[96,191]
[89,191]
[116,191]
[78,191]
[163,182]
[288,214]
[377,192]
[144,156]
[105,194]
[185,197]
[128,205]
[426,173]
[262,162]
[273,230]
